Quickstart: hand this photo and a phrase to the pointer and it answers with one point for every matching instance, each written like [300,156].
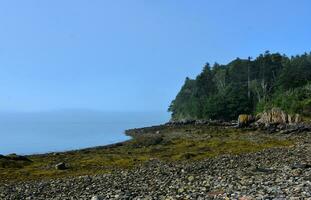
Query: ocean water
[41,132]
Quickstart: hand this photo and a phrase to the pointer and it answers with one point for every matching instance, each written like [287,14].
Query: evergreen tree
[245,86]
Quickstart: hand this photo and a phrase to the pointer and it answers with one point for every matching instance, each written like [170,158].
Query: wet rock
[301,166]
[263,170]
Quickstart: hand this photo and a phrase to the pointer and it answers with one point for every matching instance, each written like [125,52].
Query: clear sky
[132,55]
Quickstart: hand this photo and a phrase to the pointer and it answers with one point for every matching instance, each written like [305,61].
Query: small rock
[181,190]
[190,178]
[97,198]
[264,170]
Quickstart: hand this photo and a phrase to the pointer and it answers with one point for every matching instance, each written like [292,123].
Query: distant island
[247,86]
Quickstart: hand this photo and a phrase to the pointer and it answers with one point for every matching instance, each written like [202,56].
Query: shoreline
[58,131]
[168,161]
[269,173]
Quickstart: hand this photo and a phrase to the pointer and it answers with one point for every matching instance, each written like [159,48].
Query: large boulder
[60,166]
[244,120]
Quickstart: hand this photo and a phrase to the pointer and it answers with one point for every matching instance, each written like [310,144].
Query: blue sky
[132,55]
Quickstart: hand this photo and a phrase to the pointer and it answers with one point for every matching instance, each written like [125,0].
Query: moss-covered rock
[244,120]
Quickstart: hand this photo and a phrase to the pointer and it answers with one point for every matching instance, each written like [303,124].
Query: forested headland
[246,86]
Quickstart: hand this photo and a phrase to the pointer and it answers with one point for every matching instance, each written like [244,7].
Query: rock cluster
[274,120]
[278,173]
[277,116]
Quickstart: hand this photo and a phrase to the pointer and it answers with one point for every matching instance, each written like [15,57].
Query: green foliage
[297,100]
[245,86]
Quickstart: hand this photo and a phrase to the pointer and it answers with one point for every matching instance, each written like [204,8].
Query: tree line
[246,86]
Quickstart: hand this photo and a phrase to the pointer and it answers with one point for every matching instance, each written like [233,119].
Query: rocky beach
[279,168]
[270,174]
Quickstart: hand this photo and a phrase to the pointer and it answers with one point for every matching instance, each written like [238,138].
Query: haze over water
[40,132]
[125,56]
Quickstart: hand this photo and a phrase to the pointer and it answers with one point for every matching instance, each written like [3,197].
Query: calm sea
[29,133]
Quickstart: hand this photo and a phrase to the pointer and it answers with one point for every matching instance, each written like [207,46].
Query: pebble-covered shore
[280,173]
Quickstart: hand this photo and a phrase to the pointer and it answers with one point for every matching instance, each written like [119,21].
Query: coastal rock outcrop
[278,116]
